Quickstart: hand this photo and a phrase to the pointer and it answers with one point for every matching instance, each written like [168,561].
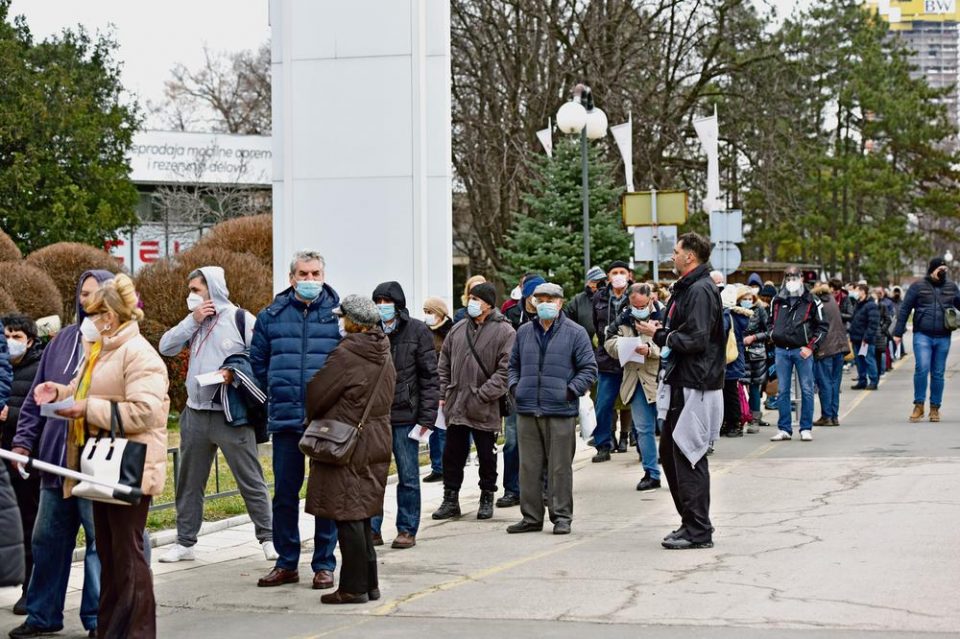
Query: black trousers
[358,570]
[731,405]
[689,484]
[456,450]
[28,502]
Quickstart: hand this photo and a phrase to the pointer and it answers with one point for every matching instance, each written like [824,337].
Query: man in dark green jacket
[580,308]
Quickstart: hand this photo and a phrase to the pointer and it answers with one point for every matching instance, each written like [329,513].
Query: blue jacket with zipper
[291,342]
[550,370]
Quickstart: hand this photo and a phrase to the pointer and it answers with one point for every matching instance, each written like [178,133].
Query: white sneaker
[178,553]
[806,436]
[269,552]
[781,436]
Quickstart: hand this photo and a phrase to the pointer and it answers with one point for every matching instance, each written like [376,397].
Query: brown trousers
[127,606]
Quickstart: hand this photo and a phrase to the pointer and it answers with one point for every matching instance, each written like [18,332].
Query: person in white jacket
[213,330]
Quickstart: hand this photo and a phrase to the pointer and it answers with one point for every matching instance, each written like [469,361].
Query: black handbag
[507,406]
[331,441]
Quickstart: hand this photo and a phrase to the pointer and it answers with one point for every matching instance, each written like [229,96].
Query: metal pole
[586,201]
[656,235]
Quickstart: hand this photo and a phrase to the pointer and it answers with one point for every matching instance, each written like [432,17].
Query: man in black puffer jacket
[415,403]
[11,536]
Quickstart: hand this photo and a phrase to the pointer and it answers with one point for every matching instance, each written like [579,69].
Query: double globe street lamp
[580,116]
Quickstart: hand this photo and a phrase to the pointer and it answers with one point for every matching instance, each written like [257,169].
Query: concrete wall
[361,142]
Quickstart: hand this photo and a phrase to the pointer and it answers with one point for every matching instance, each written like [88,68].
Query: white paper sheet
[419,434]
[441,419]
[626,350]
[209,379]
[864,349]
[50,410]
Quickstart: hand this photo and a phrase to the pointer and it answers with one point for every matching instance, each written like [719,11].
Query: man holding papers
[863,335]
[213,330]
[640,358]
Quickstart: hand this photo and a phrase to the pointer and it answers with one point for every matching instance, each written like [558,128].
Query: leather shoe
[823,421]
[26,630]
[404,540]
[377,539]
[508,500]
[648,483]
[338,597]
[523,526]
[561,528]
[433,477]
[603,455]
[682,543]
[374,594]
[323,579]
[20,608]
[279,577]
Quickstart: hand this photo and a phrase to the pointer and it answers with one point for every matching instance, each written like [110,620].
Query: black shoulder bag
[333,442]
[506,401]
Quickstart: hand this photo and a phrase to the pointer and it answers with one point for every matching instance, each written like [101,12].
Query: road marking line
[348,626]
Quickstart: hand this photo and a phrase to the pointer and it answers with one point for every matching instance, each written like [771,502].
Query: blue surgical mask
[746,303]
[387,311]
[640,313]
[665,352]
[547,310]
[473,308]
[309,289]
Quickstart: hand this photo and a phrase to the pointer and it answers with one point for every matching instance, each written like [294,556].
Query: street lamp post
[580,116]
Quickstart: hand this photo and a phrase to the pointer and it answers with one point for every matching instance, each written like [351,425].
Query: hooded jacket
[927,299]
[798,320]
[836,341]
[417,392]
[210,342]
[740,317]
[291,342]
[23,373]
[11,534]
[62,359]
[340,391]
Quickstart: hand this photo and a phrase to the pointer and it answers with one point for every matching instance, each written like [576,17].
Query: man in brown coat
[474,363]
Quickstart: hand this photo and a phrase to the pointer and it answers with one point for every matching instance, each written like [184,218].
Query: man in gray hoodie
[212,331]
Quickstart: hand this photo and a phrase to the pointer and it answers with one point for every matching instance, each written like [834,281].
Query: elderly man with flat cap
[551,366]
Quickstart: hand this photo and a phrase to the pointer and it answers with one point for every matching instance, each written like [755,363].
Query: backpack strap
[240,317]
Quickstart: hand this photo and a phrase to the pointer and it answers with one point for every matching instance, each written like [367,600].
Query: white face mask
[343,330]
[794,286]
[618,281]
[430,319]
[16,349]
[194,301]
[89,330]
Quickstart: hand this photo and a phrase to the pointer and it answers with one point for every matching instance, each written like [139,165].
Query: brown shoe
[377,539]
[834,421]
[338,597]
[404,540]
[322,579]
[279,577]
[823,421]
[917,413]
[934,413]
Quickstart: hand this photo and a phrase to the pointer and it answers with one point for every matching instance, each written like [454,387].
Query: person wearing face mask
[417,393]
[896,297]
[24,353]
[580,308]
[213,330]
[798,329]
[639,387]
[436,315]
[736,318]
[461,312]
[828,365]
[551,366]
[755,339]
[59,518]
[291,341]
[932,300]
[608,302]
[863,337]
[473,379]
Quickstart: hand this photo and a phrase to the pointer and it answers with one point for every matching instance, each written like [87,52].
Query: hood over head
[392,291]
[101,276]
[217,286]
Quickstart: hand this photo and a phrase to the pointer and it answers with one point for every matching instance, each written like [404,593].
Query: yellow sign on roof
[897,12]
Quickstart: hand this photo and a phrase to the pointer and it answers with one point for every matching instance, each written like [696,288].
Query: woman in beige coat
[121,367]
[639,387]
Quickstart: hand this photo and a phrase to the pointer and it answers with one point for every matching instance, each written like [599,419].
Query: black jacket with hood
[417,393]
[798,321]
[23,373]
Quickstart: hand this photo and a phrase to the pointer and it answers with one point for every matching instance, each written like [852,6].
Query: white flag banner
[623,135]
[708,130]
[546,139]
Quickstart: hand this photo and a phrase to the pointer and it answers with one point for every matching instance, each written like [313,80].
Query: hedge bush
[252,234]
[65,262]
[7,305]
[9,251]
[33,291]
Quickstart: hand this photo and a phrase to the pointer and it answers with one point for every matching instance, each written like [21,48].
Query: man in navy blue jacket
[552,364]
[291,341]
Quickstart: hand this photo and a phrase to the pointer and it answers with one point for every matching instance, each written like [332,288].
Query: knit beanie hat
[486,292]
[360,309]
[437,306]
[936,263]
[531,283]
[596,274]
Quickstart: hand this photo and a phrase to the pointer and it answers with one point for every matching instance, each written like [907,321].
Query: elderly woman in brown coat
[352,494]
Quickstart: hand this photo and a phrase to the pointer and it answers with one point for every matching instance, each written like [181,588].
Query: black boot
[450,507]
[486,504]
[622,446]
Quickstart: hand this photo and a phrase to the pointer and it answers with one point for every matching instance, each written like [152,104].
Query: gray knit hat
[361,310]
[596,274]
[548,289]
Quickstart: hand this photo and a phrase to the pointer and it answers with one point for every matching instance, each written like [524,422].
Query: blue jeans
[608,387]
[288,472]
[787,359]
[406,455]
[867,366]
[931,354]
[511,456]
[829,374]
[644,431]
[437,439]
[54,538]
[753,394]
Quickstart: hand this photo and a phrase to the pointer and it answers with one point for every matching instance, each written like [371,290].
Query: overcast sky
[154,36]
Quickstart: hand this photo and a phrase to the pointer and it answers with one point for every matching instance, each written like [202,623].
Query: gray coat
[11,534]
[470,398]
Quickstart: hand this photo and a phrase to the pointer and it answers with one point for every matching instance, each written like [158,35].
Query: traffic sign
[726,226]
[644,246]
[725,257]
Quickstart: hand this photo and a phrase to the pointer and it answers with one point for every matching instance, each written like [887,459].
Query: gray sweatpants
[201,433]
[546,442]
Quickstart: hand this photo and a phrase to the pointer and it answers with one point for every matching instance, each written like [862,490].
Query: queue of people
[688,362]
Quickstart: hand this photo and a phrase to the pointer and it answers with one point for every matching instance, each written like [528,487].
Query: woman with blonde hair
[471,282]
[121,368]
